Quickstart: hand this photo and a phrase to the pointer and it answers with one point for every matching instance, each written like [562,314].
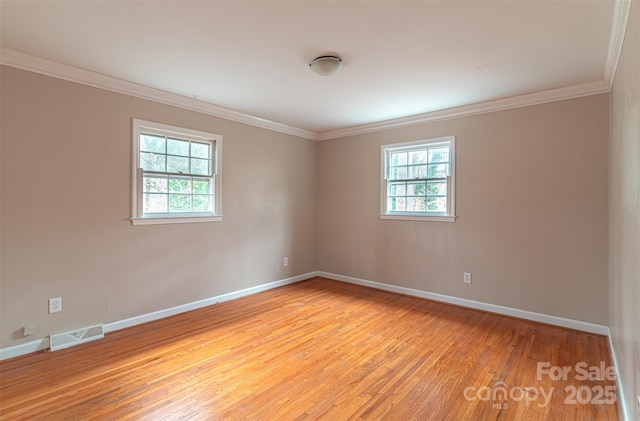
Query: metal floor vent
[75,337]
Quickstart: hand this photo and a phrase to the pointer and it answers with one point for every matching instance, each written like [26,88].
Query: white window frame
[450,214]
[150,127]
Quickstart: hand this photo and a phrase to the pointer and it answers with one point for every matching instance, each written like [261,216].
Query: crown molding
[535,98]
[17,59]
[621,10]
[39,65]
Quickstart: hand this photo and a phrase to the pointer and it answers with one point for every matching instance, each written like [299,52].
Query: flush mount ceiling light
[326,65]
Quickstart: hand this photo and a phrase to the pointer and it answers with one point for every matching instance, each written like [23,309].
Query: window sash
[406,197]
[419,148]
[166,195]
[210,161]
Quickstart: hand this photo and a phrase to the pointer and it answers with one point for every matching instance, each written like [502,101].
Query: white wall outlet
[467,278]
[29,330]
[55,305]
[285,261]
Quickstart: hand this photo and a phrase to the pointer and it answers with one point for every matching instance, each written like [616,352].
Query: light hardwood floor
[317,349]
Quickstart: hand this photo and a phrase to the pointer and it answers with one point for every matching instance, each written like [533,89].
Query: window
[176,175]
[418,180]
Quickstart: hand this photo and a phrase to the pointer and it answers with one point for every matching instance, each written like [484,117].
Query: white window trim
[451,183]
[136,194]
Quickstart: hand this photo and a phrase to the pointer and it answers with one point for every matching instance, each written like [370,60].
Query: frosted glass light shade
[326,65]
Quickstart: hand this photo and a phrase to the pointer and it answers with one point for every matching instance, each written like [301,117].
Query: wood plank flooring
[317,349]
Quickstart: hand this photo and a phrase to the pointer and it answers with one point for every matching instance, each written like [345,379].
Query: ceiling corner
[621,10]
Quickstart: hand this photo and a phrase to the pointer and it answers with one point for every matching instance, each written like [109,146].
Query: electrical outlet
[285,261]
[55,305]
[467,278]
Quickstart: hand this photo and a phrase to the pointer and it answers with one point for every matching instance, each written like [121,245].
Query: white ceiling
[401,58]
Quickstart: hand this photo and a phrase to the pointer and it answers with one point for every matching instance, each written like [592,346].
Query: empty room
[332,210]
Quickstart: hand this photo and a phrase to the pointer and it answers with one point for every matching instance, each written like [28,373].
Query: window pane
[398,173]
[436,204]
[397,189]
[418,171]
[416,204]
[200,166]
[201,186]
[154,184]
[416,189]
[201,203]
[179,203]
[396,204]
[150,143]
[438,170]
[180,185]
[399,158]
[418,157]
[178,147]
[436,188]
[439,155]
[152,161]
[154,203]
[200,150]
[177,164]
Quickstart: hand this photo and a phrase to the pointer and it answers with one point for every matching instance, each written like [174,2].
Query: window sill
[434,218]
[175,220]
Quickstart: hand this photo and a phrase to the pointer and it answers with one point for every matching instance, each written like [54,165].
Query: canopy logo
[500,394]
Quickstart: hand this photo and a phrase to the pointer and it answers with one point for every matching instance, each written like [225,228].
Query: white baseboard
[622,403]
[37,345]
[41,344]
[25,348]
[478,305]
[121,324]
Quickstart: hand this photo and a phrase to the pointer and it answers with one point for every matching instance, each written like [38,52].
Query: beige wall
[624,214]
[531,198]
[66,182]
[532,206]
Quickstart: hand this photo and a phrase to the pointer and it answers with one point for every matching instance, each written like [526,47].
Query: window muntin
[418,179]
[176,174]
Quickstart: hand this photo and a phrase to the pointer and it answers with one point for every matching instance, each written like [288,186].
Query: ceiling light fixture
[326,65]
